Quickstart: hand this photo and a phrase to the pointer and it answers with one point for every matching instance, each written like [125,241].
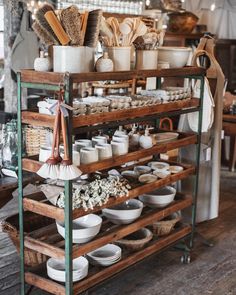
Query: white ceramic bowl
[124,213]
[84,228]
[147,178]
[105,256]
[177,57]
[159,198]
[142,169]
[56,269]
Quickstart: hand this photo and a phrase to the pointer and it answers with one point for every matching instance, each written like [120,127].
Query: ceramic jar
[104,64]
[146,59]
[121,57]
[42,63]
[88,155]
[104,151]
[145,140]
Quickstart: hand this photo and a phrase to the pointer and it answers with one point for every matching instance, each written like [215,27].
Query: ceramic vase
[42,63]
[104,64]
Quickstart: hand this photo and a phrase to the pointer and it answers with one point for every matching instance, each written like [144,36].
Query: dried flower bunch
[97,192]
[151,40]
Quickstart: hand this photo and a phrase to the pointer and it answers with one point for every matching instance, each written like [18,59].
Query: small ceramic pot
[98,140]
[82,143]
[104,64]
[88,155]
[44,154]
[145,141]
[134,139]
[146,59]
[104,151]
[122,138]
[119,148]
[42,63]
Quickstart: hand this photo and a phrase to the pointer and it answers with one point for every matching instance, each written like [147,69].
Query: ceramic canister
[121,57]
[81,143]
[119,148]
[146,59]
[88,155]
[98,140]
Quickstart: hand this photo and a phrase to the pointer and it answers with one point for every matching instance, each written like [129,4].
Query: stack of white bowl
[124,213]
[105,256]
[84,228]
[56,269]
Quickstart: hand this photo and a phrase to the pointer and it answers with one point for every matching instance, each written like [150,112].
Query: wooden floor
[212,271]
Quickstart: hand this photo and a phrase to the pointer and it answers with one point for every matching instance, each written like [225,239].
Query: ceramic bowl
[105,256]
[175,169]
[159,166]
[147,178]
[142,170]
[124,213]
[84,228]
[177,57]
[161,174]
[130,175]
[56,269]
[159,198]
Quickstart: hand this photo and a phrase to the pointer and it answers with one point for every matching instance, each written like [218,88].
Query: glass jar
[9,147]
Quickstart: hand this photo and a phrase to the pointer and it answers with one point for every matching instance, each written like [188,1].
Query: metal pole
[20,185]
[68,196]
[197,161]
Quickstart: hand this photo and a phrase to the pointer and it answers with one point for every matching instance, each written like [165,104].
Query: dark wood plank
[52,78]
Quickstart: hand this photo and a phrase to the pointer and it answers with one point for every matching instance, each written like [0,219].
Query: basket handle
[169,121]
[6,227]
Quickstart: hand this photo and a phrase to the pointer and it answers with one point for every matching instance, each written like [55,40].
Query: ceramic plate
[166,136]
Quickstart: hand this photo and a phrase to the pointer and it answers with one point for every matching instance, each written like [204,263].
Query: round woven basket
[164,227]
[136,240]
[31,222]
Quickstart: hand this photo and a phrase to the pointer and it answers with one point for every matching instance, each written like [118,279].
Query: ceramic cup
[81,143]
[119,148]
[98,140]
[122,138]
[88,155]
[75,155]
[104,151]
[44,154]
[121,57]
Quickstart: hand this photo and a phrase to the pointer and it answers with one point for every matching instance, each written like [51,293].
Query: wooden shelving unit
[46,240]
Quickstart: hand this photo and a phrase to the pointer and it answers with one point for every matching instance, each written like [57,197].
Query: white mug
[81,143]
[88,155]
[122,138]
[98,140]
[104,151]
[119,148]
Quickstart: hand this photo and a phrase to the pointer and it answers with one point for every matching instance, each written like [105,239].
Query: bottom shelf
[38,276]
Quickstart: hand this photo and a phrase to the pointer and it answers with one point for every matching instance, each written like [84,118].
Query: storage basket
[164,227]
[31,222]
[143,236]
[35,137]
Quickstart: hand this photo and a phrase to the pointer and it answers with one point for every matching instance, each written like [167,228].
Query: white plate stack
[56,269]
[105,256]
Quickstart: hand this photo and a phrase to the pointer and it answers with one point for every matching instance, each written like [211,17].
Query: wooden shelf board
[32,165]
[109,232]
[39,279]
[51,211]
[43,120]
[31,76]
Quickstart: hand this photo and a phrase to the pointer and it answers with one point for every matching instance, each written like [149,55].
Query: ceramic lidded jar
[42,63]
[145,141]
[104,64]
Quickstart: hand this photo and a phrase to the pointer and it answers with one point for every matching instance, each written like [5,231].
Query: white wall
[221,21]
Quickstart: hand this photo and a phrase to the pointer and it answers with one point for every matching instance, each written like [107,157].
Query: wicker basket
[164,227]
[31,222]
[35,137]
[136,240]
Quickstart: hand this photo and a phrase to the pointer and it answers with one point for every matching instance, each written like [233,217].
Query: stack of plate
[56,269]
[105,256]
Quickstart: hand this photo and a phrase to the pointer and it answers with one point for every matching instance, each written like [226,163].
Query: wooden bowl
[182,22]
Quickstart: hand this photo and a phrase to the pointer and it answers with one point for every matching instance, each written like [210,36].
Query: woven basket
[31,222]
[164,227]
[136,240]
[35,137]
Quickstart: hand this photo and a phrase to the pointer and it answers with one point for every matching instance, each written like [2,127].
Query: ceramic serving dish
[84,228]
[147,178]
[159,198]
[124,213]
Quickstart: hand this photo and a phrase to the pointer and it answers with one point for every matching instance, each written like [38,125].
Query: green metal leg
[198,151]
[20,186]
[68,199]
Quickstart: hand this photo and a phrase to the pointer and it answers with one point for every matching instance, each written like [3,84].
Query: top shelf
[52,78]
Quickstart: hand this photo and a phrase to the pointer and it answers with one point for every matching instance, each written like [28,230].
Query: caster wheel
[185,259]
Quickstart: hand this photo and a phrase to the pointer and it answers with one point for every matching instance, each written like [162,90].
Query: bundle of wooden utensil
[118,34]
[67,26]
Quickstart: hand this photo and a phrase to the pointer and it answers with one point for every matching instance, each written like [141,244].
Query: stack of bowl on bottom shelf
[105,256]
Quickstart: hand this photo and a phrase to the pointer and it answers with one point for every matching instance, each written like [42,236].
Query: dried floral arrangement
[97,192]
